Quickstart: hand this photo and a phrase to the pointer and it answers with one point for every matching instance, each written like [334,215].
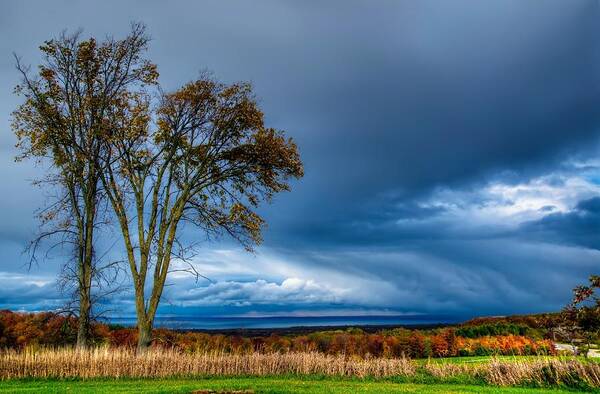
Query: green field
[256,385]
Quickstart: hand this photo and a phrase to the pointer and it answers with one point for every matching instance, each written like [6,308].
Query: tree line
[21,330]
[122,152]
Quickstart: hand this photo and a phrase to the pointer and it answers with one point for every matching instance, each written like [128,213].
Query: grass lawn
[257,385]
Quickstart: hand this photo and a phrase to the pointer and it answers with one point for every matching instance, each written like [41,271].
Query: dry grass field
[111,362]
[161,364]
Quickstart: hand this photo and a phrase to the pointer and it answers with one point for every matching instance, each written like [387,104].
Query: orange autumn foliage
[19,330]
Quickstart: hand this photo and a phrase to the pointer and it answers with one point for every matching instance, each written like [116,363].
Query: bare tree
[64,121]
[207,161]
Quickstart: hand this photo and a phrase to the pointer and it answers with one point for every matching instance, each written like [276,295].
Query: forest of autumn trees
[124,153]
[20,330]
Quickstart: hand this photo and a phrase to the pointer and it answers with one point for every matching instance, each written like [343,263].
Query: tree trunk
[83,324]
[85,268]
[85,302]
[144,336]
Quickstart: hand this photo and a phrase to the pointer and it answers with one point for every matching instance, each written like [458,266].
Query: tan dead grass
[107,362]
[161,363]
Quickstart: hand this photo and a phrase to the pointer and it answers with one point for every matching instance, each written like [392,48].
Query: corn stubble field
[161,363]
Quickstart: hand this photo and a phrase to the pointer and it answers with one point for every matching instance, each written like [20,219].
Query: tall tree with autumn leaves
[64,122]
[207,162]
[200,156]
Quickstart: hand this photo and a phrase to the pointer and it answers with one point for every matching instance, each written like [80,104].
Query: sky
[451,152]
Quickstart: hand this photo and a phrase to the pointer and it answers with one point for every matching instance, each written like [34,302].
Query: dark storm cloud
[29,292]
[580,226]
[447,94]
[496,276]
[389,102]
